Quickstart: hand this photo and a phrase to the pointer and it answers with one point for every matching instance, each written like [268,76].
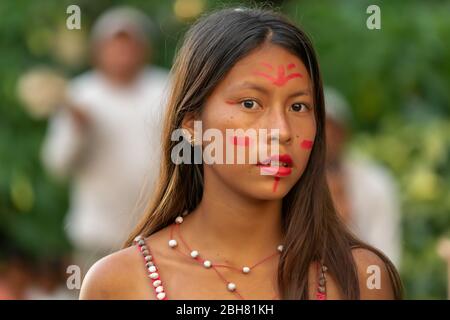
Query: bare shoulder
[374,279]
[123,275]
[120,275]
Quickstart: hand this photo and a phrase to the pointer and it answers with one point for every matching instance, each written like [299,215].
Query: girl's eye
[249,104]
[299,107]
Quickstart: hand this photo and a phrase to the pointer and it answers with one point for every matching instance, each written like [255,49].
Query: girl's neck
[234,226]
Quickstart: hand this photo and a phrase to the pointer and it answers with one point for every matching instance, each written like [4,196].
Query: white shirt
[375,205]
[114,161]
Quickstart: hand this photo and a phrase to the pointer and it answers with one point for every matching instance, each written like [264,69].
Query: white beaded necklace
[231,286]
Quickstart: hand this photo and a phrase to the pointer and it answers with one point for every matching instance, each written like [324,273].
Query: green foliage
[396,80]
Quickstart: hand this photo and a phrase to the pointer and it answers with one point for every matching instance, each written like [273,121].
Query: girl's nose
[278,120]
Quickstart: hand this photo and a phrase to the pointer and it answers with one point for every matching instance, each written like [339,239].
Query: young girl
[264,230]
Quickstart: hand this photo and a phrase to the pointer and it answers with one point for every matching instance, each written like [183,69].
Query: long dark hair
[312,229]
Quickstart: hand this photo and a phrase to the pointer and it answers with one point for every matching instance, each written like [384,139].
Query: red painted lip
[277,171]
[278,157]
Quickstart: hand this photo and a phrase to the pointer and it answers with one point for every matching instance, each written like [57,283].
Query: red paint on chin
[306,144]
[275,183]
[240,141]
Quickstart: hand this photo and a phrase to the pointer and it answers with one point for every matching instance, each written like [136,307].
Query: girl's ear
[188,124]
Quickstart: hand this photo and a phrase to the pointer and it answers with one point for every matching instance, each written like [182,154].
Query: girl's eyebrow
[300,93]
[254,86]
[250,85]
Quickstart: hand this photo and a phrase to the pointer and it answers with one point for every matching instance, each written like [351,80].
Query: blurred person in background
[106,140]
[24,276]
[363,191]
[15,277]
[49,280]
[15,270]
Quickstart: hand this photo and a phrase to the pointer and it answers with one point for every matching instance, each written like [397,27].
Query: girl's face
[268,89]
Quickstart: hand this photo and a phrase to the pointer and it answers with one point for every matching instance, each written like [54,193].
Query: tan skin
[238,221]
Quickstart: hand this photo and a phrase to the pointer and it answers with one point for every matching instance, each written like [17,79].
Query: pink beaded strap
[151,268]
[321,293]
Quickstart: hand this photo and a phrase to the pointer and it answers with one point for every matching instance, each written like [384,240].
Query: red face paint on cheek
[306,144]
[275,184]
[240,141]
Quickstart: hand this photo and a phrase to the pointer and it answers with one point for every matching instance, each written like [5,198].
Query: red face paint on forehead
[281,78]
[267,65]
[306,144]
[291,66]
